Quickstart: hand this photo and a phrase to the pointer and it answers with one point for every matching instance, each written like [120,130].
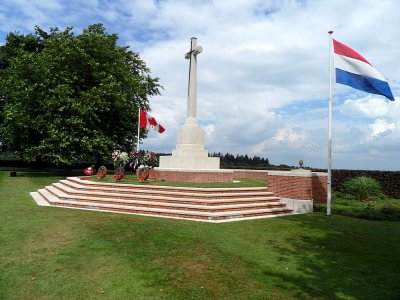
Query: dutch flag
[354,70]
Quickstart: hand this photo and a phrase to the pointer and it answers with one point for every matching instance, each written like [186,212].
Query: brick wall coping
[194,171]
[269,172]
[322,174]
[297,173]
[248,170]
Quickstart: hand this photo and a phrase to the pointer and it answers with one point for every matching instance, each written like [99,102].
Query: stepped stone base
[190,152]
[186,175]
[189,162]
[199,204]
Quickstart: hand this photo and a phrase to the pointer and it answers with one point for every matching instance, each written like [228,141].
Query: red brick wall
[285,186]
[152,174]
[319,188]
[299,187]
[250,174]
[293,187]
[193,176]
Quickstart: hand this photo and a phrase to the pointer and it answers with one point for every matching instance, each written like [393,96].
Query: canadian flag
[145,120]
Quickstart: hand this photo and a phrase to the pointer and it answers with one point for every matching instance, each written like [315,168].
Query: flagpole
[138,131]
[329,183]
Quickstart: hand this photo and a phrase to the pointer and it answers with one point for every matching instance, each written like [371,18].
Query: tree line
[229,159]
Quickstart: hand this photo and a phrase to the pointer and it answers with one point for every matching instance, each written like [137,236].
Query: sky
[263,75]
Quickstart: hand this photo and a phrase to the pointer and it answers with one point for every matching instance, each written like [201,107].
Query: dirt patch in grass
[52,239]
[213,273]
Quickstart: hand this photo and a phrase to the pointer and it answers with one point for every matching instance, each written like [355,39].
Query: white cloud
[369,107]
[381,127]
[209,129]
[263,75]
[292,136]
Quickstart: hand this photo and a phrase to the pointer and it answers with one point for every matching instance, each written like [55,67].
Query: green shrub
[363,187]
[370,204]
[347,205]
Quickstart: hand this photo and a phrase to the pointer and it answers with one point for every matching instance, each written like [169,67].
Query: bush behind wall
[389,180]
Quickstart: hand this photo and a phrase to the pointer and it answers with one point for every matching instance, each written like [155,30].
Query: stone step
[231,206]
[199,204]
[116,195]
[195,215]
[154,192]
[39,199]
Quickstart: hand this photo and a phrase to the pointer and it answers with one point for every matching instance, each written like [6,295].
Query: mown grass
[56,253]
[384,209]
[237,183]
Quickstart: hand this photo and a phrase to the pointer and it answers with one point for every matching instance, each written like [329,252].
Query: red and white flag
[145,120]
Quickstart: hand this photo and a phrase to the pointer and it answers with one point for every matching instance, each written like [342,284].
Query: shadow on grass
[300,257]
[342,258]
[42,173]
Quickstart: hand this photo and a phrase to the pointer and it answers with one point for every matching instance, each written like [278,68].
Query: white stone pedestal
[190,152]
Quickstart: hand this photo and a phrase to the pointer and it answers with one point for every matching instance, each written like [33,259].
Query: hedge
[390,180]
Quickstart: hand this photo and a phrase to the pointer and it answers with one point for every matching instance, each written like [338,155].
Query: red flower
[88,171]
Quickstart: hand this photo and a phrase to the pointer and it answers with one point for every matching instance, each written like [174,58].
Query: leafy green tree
[69,97]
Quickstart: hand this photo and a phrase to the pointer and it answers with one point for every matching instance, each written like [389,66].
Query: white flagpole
[329,183]
[138,132]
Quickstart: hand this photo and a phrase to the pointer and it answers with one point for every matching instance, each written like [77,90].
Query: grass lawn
[384,209]
[238,183]
[57,253]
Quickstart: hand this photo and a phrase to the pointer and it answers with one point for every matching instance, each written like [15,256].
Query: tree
[68,97]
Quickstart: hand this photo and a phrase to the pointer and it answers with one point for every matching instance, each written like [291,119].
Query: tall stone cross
[189,153]
[191,117]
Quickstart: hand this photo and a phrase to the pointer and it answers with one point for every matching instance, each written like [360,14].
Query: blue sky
[263,74]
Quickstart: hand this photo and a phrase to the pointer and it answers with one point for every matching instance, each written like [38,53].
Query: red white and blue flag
[354,70]
[145,120]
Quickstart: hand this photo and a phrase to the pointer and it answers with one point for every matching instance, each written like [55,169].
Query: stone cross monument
[190,152]
[191,117]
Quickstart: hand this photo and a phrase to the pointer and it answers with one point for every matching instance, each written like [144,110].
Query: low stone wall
[301,185]
[289,185]
[255,174]
[319,184]
[296,185]
[298,206]
[182,175]
[299,189]
[152,174]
